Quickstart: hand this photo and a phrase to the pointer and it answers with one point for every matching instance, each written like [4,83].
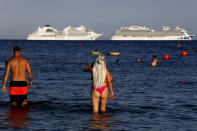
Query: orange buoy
[166,57]
[114,53]
[126,44]
[184,53]
[178,45]
[9,42]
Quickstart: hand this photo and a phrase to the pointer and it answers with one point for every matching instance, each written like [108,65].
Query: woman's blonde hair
[99,71]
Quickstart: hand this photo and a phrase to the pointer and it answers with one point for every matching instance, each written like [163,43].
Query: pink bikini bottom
[101,89]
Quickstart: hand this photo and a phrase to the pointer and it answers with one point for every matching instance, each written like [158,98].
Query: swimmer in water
[154,63]
[100,79]
[18,87]
[118,60]
[138,60]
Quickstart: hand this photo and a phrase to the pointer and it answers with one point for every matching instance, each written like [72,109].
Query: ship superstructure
[144,33]
[70,33]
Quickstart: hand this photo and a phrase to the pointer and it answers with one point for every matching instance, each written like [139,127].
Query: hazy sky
[18,18]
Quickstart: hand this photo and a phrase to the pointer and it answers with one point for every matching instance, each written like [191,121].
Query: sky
[18,18]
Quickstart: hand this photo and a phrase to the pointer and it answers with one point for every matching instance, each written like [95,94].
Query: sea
[146,98]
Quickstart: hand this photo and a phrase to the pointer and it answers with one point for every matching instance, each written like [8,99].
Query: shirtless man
[18,87]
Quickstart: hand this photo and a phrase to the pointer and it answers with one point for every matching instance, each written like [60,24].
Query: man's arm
[5,77]
[30,75]
[88,68]
[110,85]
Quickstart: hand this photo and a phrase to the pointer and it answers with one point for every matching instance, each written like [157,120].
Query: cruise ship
[70,33]
[144,33]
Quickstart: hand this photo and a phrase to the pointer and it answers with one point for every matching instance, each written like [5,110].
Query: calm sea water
[146,98]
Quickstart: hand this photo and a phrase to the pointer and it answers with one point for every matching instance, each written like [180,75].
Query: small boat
[94,52]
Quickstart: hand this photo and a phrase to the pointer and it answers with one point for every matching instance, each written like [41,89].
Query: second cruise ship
[144,33]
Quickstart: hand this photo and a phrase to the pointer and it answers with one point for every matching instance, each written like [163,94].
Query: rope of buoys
[114,53]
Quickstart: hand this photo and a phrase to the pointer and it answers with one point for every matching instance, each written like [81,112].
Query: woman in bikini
[100,79]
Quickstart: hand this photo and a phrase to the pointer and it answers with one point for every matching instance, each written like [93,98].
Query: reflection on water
[101,121]
[18,117]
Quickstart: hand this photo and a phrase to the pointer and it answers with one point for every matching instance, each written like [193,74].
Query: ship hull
[149,38]
[62,38]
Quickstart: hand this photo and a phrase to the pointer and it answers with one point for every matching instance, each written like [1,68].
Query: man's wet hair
[16,48]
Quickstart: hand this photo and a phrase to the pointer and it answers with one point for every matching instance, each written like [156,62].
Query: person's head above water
[154,57]
[99,71]
[138,59]
[16,51]
[100,59]
[118,60]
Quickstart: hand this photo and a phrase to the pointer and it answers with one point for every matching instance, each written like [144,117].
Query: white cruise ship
[69,33]
[144,33]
